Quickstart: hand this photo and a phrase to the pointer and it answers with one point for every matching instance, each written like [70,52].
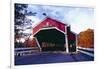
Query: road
[44,58]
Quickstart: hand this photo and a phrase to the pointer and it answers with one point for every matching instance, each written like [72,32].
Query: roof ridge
[51,19]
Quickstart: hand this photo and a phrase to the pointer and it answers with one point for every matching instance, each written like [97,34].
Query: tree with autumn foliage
[86,39]
[30,43]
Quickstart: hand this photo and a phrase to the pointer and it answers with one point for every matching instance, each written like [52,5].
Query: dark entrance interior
[72,46]
[51,40]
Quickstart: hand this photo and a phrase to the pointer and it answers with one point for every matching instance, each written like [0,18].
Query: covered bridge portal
[51,40]
[51,35]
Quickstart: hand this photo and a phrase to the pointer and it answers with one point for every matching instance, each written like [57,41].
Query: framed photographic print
[51,33]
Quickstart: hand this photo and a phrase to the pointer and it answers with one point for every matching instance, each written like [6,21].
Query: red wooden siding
[71,36]
[48,22]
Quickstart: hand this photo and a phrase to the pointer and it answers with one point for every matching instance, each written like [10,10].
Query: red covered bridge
[53,35]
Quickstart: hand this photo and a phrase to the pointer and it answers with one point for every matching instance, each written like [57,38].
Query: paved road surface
[43,58]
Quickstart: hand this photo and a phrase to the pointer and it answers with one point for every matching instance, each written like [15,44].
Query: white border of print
[75,3]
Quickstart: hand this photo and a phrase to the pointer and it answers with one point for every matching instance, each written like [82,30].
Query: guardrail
[26,51]
[87,51]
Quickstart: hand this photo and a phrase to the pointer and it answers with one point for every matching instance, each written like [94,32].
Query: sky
[79,18]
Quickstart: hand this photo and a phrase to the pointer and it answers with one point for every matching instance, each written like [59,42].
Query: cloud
[79,18]
[35,20]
